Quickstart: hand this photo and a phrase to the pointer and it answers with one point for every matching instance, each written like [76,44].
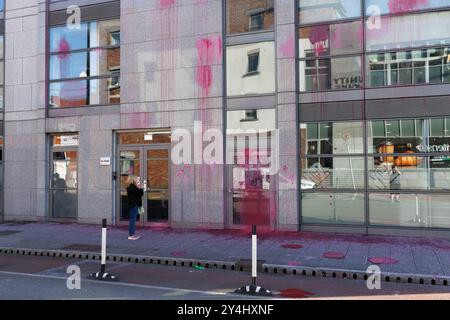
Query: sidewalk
[397,256]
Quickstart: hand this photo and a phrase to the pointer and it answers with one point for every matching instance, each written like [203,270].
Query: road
[29,277]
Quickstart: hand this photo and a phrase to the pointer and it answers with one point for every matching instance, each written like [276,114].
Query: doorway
[151,163]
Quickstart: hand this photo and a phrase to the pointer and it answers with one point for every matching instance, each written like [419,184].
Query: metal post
[103,261]
[254,255]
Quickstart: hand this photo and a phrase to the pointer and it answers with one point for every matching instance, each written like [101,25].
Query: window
[326,61]
[331,155]
[404,6]
[2,5]
[330,74]
[251,69]
[256,22]
[253,62]
[409,67]
[249,15]
[407,31]
[312,11]
[251,142]
[64,176]
[84,64]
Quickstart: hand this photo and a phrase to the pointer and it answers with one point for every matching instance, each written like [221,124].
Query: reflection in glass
[410,67]
[324,10]
[249,15]
[129,165]
[333,208]
[397,7]
[251,69]
[328,138]
[70,65]
[334,39]
[330,74]
[104,33]
[63,184]
[411,210]
[75,93]
[336,173]
[406,31]
[64,39]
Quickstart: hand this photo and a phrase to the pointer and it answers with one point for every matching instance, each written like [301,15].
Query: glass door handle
[145,186]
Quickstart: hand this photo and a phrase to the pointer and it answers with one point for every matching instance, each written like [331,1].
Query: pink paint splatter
[318,36]
[63,48]
[293,263]
[334,255]
[166,3]
[382,260]
[287,49]
[401,6]
[209,51]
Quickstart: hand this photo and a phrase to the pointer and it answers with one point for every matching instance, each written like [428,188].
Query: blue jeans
[132,222]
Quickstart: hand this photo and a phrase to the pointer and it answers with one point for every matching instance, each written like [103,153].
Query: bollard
[254,289]
[103,275]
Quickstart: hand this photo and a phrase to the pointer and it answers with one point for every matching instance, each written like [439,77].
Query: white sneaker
[134,237]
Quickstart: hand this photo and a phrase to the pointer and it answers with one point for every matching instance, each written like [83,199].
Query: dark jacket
[134,196]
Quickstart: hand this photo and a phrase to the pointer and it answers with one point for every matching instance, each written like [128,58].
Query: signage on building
[148,137]
[105,161]
[69,140]
[433,148]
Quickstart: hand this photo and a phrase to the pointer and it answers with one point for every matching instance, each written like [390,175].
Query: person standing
[134,195]
[394,183]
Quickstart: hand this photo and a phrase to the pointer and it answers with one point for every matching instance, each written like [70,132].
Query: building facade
[326,115]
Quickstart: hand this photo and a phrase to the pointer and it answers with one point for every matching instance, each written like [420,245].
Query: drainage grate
[8,232]
[82,247]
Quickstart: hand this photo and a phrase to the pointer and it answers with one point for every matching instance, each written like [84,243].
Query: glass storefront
[251,137]
[406,165]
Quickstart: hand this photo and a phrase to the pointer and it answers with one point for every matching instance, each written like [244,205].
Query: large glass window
[249,15]
[332,208]
[251,69]
[331,155]
[84,66]
[331,74]
[325,63]
[2,63]
[64,176]
[410,210]
[406,31]
[332,39]
[397,7]
[312,11]
[252,155]
[408,67]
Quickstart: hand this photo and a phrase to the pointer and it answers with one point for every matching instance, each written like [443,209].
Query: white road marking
[142,286]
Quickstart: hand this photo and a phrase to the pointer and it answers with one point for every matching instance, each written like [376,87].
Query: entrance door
[151,164]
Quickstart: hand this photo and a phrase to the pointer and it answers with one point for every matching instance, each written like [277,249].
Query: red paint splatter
[382,260]
[292,246]
[287,49]
[334,255]
[295,293]
[401,6]
[166,3]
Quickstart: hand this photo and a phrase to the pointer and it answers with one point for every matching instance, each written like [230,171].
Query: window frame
[88,50]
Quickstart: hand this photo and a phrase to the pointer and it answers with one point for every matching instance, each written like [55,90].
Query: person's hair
[132,179]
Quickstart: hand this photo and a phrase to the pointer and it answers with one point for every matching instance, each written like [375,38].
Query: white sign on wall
[105,161]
